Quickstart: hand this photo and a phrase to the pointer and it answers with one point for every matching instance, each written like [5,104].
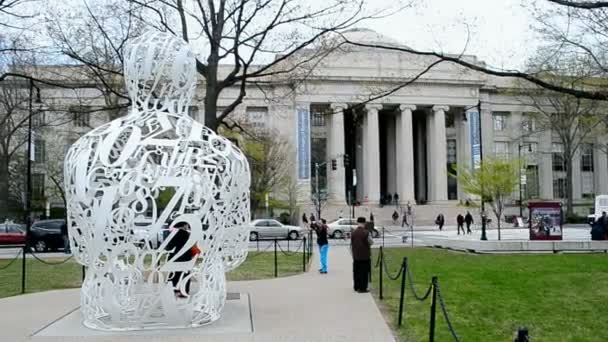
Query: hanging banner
[475,129]
[545,220]
[303,142]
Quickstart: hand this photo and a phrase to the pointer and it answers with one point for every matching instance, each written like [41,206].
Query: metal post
[304,254]
[380,273]
[257,242]
[382,236]
[483,205]
[521,209]
[402,294]
[84,273]
[433,311]
[23,270]
[318,192]
[287,244]
[522,335]
[28,192]
[276,271]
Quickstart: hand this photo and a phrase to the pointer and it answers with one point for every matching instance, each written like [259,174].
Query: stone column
[405,154]
[372,147]
[600,168]
[336,178]
[545,165]
[464,148]
[439,172]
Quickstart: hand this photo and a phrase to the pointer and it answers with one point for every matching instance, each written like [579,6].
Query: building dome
[368,36]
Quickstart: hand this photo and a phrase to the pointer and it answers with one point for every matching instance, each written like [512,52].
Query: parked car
[12,234]
[601,205]
[339,228]
[271,229]
[46,235]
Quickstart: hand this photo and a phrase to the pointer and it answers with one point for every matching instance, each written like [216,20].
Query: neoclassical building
[371,135]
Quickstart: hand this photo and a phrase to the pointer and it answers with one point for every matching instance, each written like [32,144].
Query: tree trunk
[5,211]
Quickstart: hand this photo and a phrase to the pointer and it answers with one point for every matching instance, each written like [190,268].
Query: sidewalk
[308,307]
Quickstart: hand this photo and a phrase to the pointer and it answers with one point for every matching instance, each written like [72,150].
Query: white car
[272,229]
[344,226]
[601,205]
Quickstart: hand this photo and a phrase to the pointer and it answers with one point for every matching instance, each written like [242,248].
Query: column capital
[405,107]
[373,107]
[338,106]
[440,108]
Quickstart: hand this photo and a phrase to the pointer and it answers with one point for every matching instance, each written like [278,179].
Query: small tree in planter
[494,181]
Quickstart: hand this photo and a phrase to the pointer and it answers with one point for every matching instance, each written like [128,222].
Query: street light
[483,206]
[28,194]
[519,146]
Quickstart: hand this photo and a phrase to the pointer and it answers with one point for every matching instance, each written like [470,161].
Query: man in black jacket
[468,219]
[176,246]
[361,242]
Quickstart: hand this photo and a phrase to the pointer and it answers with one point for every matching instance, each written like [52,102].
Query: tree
[494,182]
[573,120]
[261,40]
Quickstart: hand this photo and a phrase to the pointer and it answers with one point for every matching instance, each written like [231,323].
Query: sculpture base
[236,319]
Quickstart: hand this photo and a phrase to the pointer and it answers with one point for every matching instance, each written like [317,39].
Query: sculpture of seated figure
[154,169]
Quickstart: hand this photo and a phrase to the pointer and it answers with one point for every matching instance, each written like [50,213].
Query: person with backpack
[460,223]
[175,247]
[440,221]
[468,219]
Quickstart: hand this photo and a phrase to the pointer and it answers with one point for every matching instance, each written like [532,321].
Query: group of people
[599,229]
[460,222]
[388,199]
[361,242]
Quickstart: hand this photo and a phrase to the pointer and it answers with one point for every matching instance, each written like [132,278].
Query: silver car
[273,229]
[345,226]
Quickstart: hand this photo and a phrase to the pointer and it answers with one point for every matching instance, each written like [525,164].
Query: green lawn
[558,297]
[42,277]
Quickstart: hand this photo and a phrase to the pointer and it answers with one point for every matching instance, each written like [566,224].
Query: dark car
[45,235]
[12,234]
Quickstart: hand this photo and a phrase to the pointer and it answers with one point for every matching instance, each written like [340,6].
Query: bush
[284,218]
[574,218]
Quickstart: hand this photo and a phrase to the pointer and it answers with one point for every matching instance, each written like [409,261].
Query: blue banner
[475,130]
[303,142]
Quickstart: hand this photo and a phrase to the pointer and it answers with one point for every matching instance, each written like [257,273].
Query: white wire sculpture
[136,179]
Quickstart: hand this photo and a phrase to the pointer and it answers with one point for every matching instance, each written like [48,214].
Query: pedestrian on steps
[440,221]
[460,223]
[360,244]
[395,217]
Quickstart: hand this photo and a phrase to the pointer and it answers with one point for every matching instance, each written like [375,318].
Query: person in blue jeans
[321,230]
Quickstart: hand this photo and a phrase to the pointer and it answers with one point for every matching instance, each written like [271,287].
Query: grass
[558,297]
[42,277]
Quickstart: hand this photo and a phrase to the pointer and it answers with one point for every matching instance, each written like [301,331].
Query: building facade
[372,136]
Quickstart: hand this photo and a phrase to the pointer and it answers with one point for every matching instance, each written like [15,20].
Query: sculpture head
[160,72]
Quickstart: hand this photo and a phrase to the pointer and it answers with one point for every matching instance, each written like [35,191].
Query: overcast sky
[500,29]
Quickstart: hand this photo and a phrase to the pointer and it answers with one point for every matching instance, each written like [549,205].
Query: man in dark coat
[468,219]
[460,223]
[361,242]
[66,238]
[440,221]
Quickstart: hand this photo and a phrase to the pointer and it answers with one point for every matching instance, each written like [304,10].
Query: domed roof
[368,36]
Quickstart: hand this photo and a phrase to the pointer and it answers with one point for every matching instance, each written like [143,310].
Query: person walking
[66,238]
[304,219]
[404,221]
[312,218]
[440,221]
[468,219]
[396,198]
[395,217]
[360,244]
[371,217]
[460,223]
[321,230]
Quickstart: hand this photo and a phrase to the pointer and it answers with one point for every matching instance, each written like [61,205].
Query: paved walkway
[308,307]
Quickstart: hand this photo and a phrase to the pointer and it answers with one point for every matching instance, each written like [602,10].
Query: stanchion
[380,270]
[433,310]
[287,244]
[382,236]
[304,246]
[83,273]
[276,271]
[23,269]
[257,243]
[522,335]
[402,295]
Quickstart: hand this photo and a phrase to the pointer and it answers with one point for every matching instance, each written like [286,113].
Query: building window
[531,188]
[39,149]
[527,123]
[38,119]
[500,121]
[559,163]
[318,115]
[559,187]
[501,149]
[587,158]
[37,186]
[587,185]
[257,117]
[81,116]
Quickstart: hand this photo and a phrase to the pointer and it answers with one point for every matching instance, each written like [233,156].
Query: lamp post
[521,208]
[28,192]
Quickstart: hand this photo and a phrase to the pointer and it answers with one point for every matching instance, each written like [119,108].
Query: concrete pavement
[306,307]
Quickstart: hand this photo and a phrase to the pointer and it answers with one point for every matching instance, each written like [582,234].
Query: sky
[500,32]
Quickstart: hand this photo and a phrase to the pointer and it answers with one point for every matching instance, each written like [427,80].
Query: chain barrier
[413,288]
[253,255]
[388,274]
[51,263]
[445,313]
[12,261]
[288,253]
